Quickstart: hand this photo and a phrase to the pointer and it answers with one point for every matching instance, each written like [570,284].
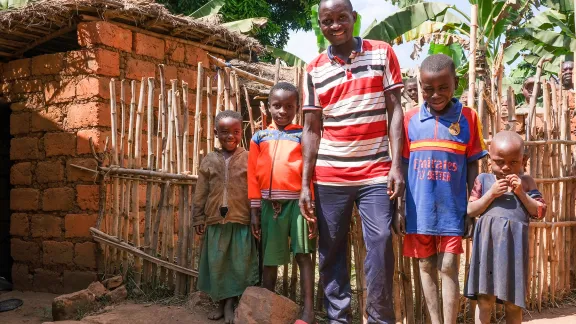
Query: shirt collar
[451,116]
[239,150]
[358,51]
[286,128]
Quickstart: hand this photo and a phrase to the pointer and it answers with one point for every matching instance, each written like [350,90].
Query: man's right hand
[399,221]
[199,229]
[306,207]
[255,222]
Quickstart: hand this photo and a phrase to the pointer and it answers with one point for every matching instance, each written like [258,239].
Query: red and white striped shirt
[354,146]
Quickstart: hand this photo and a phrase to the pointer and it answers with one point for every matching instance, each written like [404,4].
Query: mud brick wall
[58,102]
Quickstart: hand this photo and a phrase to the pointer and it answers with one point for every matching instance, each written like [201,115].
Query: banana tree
[12,4]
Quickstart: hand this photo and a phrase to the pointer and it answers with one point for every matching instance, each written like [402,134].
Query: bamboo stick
[148,173]
[161,215]
[511,107]
[539,267]
[533,98]
[263,115]
[220,93]
[186,128]
[170,237]
[227,105]
[420,96]
[116,190]
[277,71]
[238,95]
[159,136]
[473,49]
[197,121]
[169,139]
[149,185]
[250,115]
[177,125]
[210,117]
[397,296]
[404,264]
[243,74]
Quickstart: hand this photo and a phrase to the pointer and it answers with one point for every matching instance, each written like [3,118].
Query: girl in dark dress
[505,201]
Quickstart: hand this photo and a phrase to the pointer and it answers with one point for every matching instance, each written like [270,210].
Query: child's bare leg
[269,277]
[306,285]
[429,277]
[219,312]
[513,313]
[484,309]
[448,266]
[229,310]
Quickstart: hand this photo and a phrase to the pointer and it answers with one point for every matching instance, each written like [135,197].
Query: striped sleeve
[536,195]
[476,148]
[310,99]
[393,75]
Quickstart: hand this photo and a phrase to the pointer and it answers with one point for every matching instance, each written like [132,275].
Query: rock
[97,289]
[117,295]
[197,299]
[70,306]
[113,283]
[261,306]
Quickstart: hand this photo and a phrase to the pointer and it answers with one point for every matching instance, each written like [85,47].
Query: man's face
[567,69]
[336,21]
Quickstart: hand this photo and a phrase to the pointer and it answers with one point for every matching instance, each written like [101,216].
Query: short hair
[438,62]
[228,114]
[528,80]
[348,3]
[509,137]
[286,86]
[411,80]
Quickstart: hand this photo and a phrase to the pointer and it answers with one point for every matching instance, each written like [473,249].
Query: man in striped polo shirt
[352,108]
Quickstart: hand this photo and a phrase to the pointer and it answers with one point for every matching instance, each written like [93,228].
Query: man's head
[528,88]
[464,98]
[228,129]
[507,154]
[336,19]
[411,89]
[567,68]
[283,102]
[438,81]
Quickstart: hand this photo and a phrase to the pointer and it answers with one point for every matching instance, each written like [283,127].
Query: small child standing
[221,211]
[443,143]
[504,201]
[274,184]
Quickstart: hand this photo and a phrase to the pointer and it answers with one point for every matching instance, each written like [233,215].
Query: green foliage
[210,8]
[560,5]
[247,26]
[10,4]
[404,3]
[283,15]
[289,58]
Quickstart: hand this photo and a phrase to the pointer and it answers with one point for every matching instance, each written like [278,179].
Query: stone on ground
[113,283]
[71,306]
[97,289]
[261,306]
[117,295]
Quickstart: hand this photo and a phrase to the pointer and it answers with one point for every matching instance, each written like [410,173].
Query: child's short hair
[410,80]
[227,114]
[286,86]
[438,62]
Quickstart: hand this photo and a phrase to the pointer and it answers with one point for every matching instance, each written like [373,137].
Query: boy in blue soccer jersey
[443,143]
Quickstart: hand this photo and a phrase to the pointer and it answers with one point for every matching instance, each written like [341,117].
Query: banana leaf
[289,58]
[545,19]
[210,8]
[550,38]
[246,26]
[455,51]
[560,5]
[404,3]
[404,20]
[11,4]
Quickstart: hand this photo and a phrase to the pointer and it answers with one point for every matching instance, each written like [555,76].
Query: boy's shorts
[285,233]
[422,246]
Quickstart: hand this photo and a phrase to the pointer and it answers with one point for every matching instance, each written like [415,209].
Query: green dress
[228,262]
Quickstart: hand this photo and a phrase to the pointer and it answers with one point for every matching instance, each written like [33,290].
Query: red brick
[175,51]
[101,32]
[24,199]
[60,144]
[75,174]
[21,174]
[93,61]
[32,101]
[46,226]
[88,196]
[88,115]
[49,171]
[78,225]
[57,253]
[149,46]
[189,76]
[19,225]
[194,55]
[78,280]
[88,87]
[47,281]
[27,86]
[85,255]
[98,137]
[25,148]
[17,69]
[49,119]
[24,251]
[21,278]
[171,73]
[138,69]
[47,64]
[19,123]
[60,91]
[58,199]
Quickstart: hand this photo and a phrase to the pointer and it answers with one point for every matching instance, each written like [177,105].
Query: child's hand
[516,183]
[199,229]
[255,222]
[312,230]
[499,188]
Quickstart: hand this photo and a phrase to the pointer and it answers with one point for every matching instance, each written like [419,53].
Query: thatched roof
[49,26]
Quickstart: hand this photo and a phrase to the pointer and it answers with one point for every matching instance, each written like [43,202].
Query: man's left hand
[396,184]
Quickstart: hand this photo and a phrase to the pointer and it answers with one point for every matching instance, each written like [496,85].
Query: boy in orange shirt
[274,184]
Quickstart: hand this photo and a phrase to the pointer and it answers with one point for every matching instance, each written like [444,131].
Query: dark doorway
[5,165]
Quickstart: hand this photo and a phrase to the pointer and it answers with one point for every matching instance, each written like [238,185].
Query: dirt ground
[37,310]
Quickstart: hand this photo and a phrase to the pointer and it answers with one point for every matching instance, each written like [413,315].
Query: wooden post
[197,121]
[227,89]
[149,185]
[185,128]
[277,71]
[136,184]
[249,108]
[511,106]
[533,98]
[420,97]
[209,117]
[263,115]
[238,95]
[116,184]
[473,48]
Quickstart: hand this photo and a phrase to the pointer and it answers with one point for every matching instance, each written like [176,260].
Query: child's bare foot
[218,313]
[229,311]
